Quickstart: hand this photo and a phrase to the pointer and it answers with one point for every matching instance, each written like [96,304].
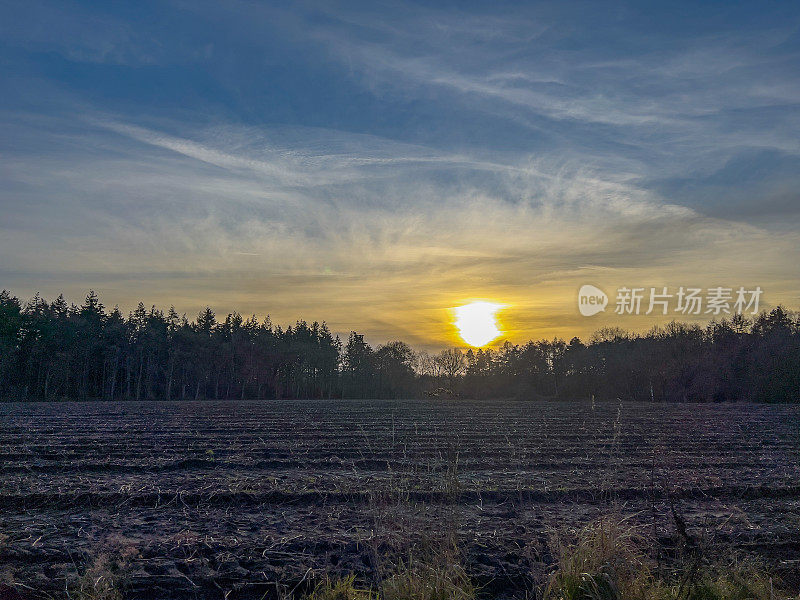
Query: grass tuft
[441,579]
[341,589]
[739,581]
[100,581]
[104,577]
[444,580]
[604,562]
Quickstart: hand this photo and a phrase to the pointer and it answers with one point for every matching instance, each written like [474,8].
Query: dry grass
[100,581]
[341,589]
[607,561]
[423,581]
[432,570]
[103,578]
[410,581]
[604,562]
[737,581]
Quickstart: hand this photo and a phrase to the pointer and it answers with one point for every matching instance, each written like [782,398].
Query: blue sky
[372,164]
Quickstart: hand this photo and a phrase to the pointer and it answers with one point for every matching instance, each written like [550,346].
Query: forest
[56,351]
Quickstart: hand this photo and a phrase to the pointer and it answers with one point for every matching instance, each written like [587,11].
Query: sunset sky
[375,164]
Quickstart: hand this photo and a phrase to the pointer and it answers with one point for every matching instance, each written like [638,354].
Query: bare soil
[207,498]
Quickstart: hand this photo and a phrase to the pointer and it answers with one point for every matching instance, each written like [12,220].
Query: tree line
[55,350]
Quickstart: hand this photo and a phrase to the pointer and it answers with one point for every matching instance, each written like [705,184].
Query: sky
[375,164]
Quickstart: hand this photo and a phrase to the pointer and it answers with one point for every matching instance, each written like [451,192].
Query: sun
[476,322]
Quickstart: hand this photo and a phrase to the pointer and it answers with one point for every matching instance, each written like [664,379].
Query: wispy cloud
[248,233]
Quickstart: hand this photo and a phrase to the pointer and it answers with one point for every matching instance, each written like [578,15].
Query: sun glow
[476,322]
